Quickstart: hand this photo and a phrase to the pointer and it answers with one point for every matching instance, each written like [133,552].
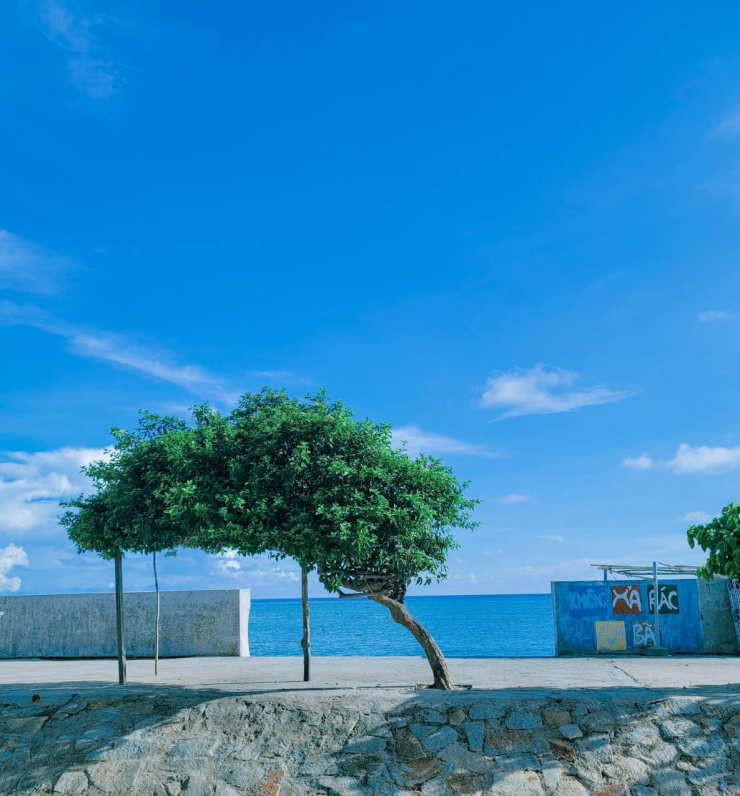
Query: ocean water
[476,626]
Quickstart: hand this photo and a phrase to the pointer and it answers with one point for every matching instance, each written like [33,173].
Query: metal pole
[119,620]
[156,621]
[306,640]
[656,603]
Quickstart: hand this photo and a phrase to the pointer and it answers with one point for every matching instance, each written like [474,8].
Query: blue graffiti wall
[617,617]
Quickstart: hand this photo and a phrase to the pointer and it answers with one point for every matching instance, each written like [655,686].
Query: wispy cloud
[697,517]
[541,391]
[89,65]
[716,316]
[514,499]
[552,537]
[11,556]
[605,281]
[32,484]
[418,441]
[690,460]
[729,127]
[671,548]
[29,267]
[120,350]
[572,569]
[641,462]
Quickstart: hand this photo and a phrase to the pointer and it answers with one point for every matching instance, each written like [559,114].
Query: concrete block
[192,623]
[716,617]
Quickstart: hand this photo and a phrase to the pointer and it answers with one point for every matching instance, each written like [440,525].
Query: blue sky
[511,231]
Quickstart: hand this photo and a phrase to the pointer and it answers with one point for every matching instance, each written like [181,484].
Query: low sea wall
[605,743]
[202,623]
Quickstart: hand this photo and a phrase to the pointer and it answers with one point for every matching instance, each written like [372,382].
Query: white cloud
[641,462]
[471,577]
[690,460]
[28,267]
[90,68]
[513,499]
[228,564]
[716,316]
[704,459]
[32,484]
[419,441]
[541,391]
[231,565]
[118,349]
[697,517]
[283,574]
[11,556]
[552,537]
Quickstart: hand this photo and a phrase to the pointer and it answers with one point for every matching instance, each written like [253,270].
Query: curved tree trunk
[436,659]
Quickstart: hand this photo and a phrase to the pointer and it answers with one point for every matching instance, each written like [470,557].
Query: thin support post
[119,619]
[306,640]
[656,604]
[156,620]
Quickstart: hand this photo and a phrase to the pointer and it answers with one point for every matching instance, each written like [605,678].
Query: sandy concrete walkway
[19,679]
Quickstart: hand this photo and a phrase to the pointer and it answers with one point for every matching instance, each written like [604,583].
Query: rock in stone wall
[384,744]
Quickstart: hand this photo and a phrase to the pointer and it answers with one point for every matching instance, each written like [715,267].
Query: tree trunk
[119,619]
[436,659]
[306,640]
[156,621]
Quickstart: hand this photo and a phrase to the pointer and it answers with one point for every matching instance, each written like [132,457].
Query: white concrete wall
[209,622]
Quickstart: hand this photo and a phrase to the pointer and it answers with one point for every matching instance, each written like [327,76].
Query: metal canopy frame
[646,573]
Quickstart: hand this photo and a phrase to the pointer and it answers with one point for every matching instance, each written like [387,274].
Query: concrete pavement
[19,679]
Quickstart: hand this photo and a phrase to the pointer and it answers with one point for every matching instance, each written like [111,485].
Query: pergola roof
[630,571]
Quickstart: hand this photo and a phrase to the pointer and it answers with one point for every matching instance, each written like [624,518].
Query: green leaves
[719,539]
[292,478]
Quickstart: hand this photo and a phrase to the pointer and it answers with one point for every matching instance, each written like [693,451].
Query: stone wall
[208,622]
[174,743]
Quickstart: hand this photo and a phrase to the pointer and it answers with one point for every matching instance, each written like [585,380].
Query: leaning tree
[309,481]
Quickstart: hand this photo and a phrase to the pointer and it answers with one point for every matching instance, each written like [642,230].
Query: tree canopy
[286,477]
[128,509]
[720,538]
